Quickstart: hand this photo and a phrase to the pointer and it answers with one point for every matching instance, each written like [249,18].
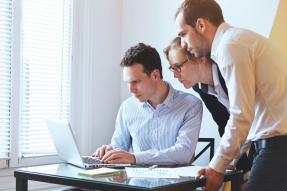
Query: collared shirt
[256,78]
[216,89]
[164,135]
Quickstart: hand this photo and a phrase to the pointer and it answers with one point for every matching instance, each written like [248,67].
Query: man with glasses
[158,123]
[177,68]
[204,77]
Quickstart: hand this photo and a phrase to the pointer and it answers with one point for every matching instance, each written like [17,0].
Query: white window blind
[46,59]
[5,76]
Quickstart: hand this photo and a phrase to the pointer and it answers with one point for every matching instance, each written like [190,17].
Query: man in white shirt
[256,77]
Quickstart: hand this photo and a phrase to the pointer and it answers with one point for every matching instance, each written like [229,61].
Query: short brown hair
[194,9]
[145,55]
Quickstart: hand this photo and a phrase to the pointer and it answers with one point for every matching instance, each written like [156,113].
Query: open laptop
[67,149]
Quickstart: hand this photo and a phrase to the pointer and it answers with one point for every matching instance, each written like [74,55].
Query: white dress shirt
[216,89]
[164,135]
[256,78]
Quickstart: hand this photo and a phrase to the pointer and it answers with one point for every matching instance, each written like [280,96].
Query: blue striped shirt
[163,135]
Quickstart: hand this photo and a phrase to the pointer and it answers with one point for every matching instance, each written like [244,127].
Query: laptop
[67,149]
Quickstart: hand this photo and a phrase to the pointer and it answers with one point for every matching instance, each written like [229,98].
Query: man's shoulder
[186,97]
[240,36]
[130,103]
[187,102]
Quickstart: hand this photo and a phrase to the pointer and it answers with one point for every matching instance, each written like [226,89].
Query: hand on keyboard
[91,160]
[100,152]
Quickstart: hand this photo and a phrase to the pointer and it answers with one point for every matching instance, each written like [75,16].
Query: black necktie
[221,80]
[203,87]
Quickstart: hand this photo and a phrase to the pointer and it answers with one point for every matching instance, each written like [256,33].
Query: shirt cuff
[218,164]
[234,162]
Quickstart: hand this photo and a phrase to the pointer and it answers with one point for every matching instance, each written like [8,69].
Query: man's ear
[201,25]
[155,74]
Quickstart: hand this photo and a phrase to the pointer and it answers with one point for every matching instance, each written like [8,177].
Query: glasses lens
[171,68]
[177,67]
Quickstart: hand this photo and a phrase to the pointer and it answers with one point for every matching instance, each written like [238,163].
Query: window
[36,72]
[5,76]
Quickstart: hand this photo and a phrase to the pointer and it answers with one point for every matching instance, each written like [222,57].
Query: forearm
[172,156]
[243,150]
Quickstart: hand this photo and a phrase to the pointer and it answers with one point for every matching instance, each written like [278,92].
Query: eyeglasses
[177,68]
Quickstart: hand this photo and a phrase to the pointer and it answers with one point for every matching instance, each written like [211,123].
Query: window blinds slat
[5,76]
[46,71]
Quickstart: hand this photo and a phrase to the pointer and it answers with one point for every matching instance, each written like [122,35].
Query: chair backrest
[209,146]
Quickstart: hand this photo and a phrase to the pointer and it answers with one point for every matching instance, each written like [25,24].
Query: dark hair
[145,55]
[176,45]
[194,9]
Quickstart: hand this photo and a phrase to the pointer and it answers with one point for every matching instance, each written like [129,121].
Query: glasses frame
[178,67]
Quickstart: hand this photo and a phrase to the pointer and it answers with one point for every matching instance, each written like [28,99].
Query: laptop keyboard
[90,160]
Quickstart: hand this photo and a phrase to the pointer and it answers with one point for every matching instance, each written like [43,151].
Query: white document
[188,171]
[151,173]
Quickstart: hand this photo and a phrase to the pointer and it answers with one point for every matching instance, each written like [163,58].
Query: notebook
[67,149]
[100,172]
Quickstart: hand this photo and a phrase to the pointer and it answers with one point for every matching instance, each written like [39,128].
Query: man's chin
[186,85]
[197,54]
[140,99]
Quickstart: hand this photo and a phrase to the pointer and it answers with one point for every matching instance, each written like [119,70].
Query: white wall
[151,22]
[256,15]
[96,71]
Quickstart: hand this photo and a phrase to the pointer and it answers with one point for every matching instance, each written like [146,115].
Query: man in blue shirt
[158,123]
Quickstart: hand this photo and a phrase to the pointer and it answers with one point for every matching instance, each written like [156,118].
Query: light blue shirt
[164,135]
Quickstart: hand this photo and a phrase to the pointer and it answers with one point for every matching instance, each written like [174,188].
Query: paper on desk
[187,171]
[151,173]
[100,172]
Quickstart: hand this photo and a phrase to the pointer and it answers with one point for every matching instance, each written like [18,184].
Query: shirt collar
[215,76]
[168,100]
[170,96]
[223,27]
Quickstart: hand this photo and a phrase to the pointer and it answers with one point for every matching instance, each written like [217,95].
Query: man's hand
[231,167]
[119,156]
[100,152]
[213,179]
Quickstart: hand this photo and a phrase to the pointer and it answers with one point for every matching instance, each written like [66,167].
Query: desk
[65,174]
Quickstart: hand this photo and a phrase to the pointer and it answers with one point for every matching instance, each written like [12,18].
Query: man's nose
[176,74]
[132,88]
[183,44]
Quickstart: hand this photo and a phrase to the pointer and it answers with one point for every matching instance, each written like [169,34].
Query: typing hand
[119,156]
[100,152]
[214,179]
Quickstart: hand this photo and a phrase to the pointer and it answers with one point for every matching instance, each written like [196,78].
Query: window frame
[14,160]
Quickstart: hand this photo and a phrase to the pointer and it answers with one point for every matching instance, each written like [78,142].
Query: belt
[272,142]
